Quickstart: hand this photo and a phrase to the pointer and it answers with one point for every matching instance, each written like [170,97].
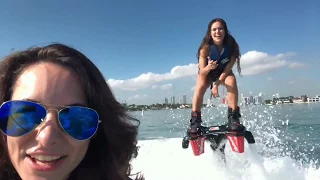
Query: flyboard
[217,136]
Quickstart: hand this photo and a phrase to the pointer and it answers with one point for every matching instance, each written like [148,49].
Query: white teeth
[46,158]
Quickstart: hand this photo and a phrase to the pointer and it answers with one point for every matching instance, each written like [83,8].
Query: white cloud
[296,65]
[269,78]
[252,62]
[291,82]
[148,79]
[192,89]
[166,87]
[138,96]
[162,87]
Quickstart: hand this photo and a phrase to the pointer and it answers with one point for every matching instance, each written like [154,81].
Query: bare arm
[202,64]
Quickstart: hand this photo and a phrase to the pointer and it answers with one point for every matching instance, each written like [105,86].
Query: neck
[219,47]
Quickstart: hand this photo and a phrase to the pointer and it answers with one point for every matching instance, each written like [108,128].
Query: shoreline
[168,108]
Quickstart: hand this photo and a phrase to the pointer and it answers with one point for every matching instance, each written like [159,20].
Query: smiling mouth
[45,159]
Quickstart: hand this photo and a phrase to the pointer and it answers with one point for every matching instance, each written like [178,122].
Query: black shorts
[214,75]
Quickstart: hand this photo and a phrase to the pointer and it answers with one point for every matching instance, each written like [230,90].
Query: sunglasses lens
[18,118]
[79,122]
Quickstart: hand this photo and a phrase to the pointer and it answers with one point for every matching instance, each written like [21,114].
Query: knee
[201,85]
[232,86]
[231,83]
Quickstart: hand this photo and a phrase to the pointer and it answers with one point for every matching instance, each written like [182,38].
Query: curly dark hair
[229,40]
[115,143]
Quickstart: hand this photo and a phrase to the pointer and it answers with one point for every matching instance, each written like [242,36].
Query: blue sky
[146,49]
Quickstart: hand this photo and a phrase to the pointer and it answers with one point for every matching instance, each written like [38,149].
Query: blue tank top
[222,59]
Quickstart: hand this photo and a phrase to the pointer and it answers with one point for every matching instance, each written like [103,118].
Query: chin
[45,176]
[218,42]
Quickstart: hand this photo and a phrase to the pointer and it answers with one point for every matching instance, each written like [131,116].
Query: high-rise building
[255,100]
[242,99]
[245,100]
[184,99]
[260,100]
[166,101]
[173,101]
[251,101]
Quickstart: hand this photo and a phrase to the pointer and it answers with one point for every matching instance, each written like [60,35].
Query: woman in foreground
[217,54]
[59,119]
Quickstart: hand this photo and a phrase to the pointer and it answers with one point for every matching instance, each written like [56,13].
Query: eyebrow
[73,104]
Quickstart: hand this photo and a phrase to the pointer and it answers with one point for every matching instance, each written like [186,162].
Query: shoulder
[204,49]
[203,52]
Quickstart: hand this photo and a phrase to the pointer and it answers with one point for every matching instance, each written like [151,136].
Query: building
[184,97]
[314,99]
[166,101]
[297,100]
[257,100]
[251,100]
[173,101]
[245,100]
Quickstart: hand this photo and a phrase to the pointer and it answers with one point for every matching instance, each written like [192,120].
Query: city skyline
[243,99]
[182,100]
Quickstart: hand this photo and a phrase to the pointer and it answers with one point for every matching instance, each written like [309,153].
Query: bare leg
[232,91]
[233,110]
[197,100]
[201,86]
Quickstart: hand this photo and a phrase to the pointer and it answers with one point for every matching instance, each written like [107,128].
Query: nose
[49,133]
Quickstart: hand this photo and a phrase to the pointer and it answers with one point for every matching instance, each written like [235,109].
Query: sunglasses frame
[57,113]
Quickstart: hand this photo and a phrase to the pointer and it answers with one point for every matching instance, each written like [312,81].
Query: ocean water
[287,145]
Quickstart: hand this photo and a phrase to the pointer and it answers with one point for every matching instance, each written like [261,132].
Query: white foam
[165,159]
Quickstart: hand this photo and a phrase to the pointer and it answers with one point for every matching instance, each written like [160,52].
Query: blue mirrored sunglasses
[18,118]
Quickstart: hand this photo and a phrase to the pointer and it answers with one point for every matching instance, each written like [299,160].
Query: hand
[217,82]
[214,91]
[211,64]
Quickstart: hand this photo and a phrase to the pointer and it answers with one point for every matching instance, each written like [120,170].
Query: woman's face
[47,83]
[217,32]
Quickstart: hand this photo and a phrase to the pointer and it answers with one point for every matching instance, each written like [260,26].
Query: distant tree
[268,101]
[304,98]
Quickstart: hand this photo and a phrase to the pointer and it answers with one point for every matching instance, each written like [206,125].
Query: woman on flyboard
[217,54]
